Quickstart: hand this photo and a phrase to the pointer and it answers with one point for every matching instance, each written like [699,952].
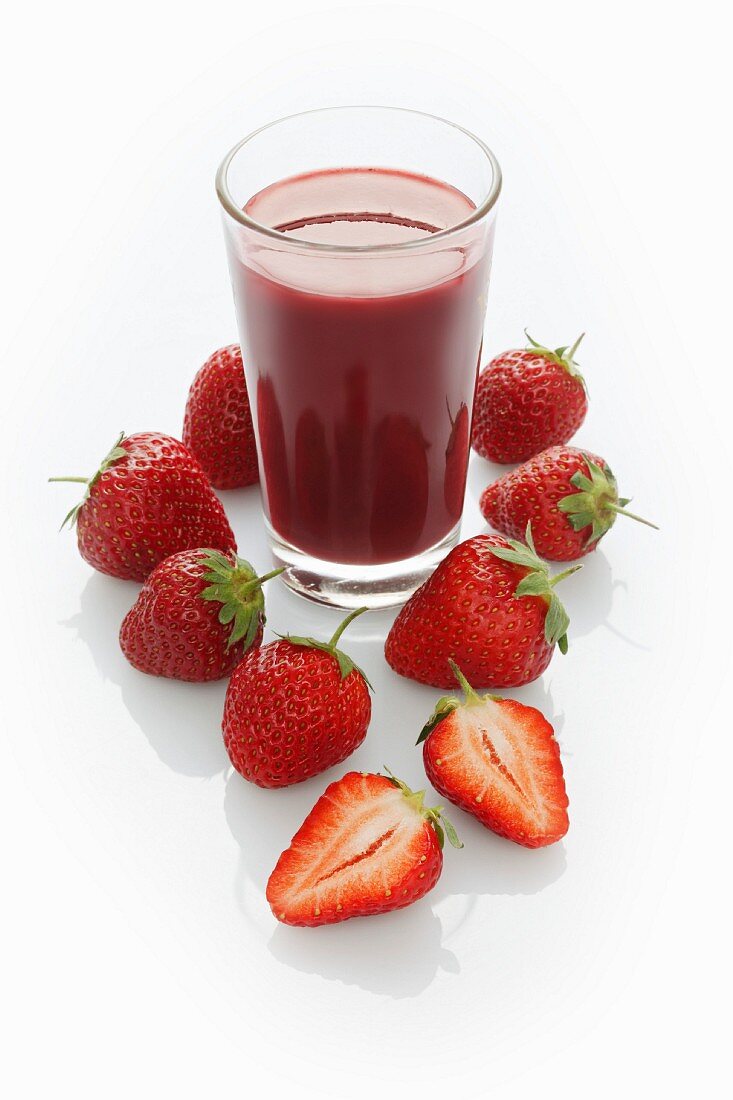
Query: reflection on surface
[456,462]
[274,456]
[400,489]
[312,477]
[351,484]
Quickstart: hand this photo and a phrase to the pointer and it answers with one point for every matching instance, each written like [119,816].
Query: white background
[140,958]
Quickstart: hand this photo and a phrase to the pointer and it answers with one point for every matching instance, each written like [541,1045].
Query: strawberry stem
[349,619]
[471,695]
[433,814]
[632,515]
[346,665]
[565,573]
[562,356]
[116,453]
[249,586]
[570,355]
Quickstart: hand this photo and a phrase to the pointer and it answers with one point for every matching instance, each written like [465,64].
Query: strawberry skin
[366,847]
[294,708]
[499,761]
[148,500]
[489,606]
[569,496]
[196,616]
[217,426]
[527,400]
[531,493]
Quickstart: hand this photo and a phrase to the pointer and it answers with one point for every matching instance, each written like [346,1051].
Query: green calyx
[236,586]
[564,357]
[433,814]
[449,703]
[596,503]
[345,663]
[538,582]
[116,453]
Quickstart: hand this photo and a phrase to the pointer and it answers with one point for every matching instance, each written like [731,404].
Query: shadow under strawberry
[374,958]
[181,721]
[590,603]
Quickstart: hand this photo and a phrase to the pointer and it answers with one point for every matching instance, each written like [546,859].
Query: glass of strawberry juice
[359,242]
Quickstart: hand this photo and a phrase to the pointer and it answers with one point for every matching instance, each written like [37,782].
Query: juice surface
[361,367]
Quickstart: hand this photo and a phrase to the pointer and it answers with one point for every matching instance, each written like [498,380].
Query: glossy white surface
[140,957]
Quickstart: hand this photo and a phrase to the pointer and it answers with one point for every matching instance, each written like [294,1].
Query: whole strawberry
[196,616]
[148,500]
[527,400]
[368,846]
[499,761]
[491,607]
[294,708]
[218,423]
[569,496]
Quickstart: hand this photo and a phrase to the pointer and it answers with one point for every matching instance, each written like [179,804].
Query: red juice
[361,366]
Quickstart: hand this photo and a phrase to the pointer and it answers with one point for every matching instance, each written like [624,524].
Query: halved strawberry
[498,760]
[367,846]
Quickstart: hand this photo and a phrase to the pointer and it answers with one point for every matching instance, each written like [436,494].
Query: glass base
[351,586]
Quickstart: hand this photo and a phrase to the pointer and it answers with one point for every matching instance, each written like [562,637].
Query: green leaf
[234,584]
[522,557]
[576,502]
[219,592]
[345,663]
[443,708]
[581,520]
[116,453]
[451,833]
[534,584]
[227,612]
[580,481]
[557,622]
[564,356]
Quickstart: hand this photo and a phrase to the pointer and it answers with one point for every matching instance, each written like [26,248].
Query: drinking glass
[359,242]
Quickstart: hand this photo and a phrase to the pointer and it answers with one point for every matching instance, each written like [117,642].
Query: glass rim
[239,215]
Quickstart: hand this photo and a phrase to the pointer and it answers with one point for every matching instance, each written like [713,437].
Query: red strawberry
[196,616]
[527,400]
[498,760]
[569,496]
[148,499]
[218,423]
[367,846]
[489,605]
[294,708]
